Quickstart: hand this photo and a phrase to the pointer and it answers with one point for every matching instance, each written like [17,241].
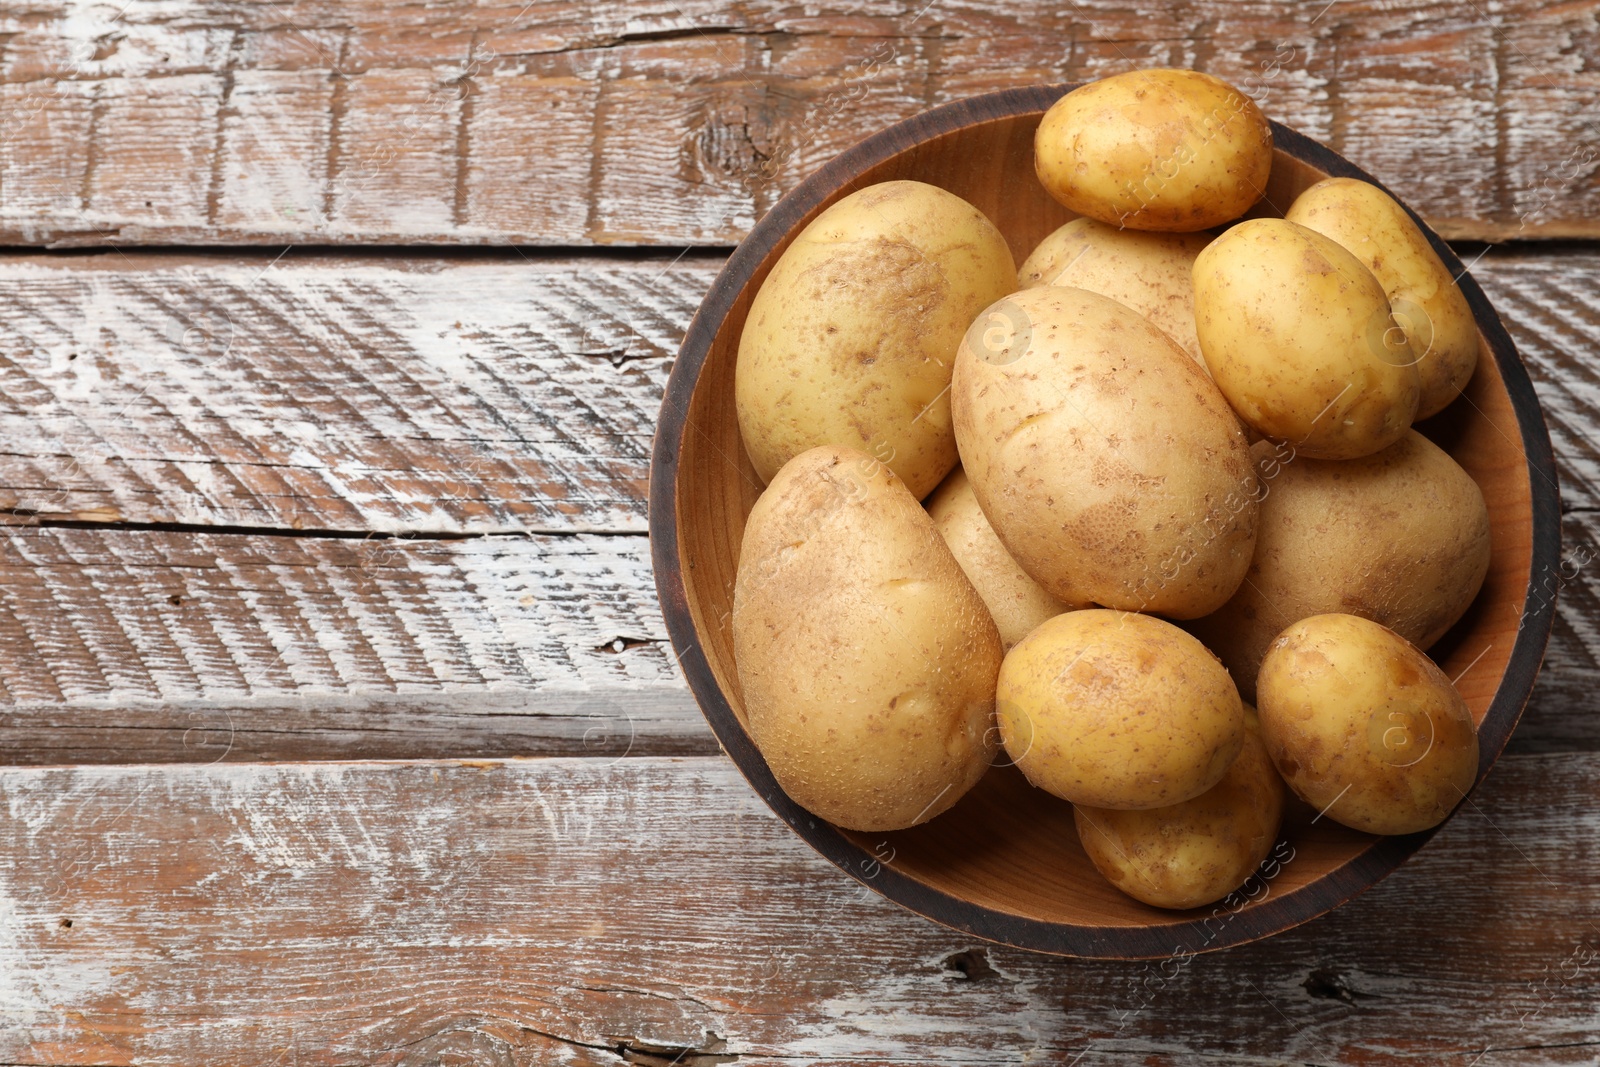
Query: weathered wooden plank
[1550,303]
[1554,316]
[604,721]
[436,395]
[320,393]
[562,123]
[652,911]
[1561,713]
[145,645]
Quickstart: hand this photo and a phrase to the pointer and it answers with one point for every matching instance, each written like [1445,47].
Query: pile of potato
[1082,433]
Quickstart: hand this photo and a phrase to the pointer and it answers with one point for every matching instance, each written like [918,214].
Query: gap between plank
[1465,248]
[532,254]
[287,531]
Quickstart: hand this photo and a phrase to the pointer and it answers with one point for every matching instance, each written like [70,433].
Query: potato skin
[866,660]
[1152,273]
[1117,710]
[1426,300]
[851,338]
[1400,537]
[1108,463]
[1017,602]
[1167,150]
[1365,727]
[1297,334]
[1196,851]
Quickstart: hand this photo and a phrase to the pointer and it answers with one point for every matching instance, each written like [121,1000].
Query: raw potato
[1118,710]
[1297,334]
[1107,462]
[1364,727]
[1426,300]
[1197,851]
[1400,537]
[851,338]
[1153,273]
[1169,150]
[866,659]
[1017,602]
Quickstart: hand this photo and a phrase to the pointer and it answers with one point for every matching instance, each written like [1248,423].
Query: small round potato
[1153,273]
[1197,851]
[1426,300]
[1400,537]
[1017,602]
[1364,727]
[1109,464]
[1118,710]
[1299,337]
[866,659]
[1169,150]
[851,338]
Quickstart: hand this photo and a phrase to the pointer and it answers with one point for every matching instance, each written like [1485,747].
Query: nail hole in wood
[1326,984]
[969,966]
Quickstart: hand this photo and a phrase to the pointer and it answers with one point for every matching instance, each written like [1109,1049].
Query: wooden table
[343,723]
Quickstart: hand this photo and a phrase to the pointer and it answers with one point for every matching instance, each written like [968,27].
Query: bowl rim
[1185,937]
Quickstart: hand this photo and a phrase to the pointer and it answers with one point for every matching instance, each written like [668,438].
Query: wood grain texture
[1551,305]
[323,393]
[653,911]
[162,646]
[361,121]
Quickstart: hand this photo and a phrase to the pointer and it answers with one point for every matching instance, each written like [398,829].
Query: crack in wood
[91,151]
[650,1054]
[467,89]
[225,110]
[337,107]
[39,521]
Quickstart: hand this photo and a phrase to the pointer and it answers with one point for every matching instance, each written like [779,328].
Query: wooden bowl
[1005,864]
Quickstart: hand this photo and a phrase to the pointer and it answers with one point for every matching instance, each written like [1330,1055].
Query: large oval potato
[1426,300]
[1117,710]
[1107,462]
[1017,602]
[1364,727]
[1196,851]
[1153,273]
[1400,537]
[851,338]
[1171,150]
[1298,335]
[866,659]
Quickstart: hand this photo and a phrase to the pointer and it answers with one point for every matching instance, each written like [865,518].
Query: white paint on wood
[550,910]
[430,397]
[125,615]
[174,122]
